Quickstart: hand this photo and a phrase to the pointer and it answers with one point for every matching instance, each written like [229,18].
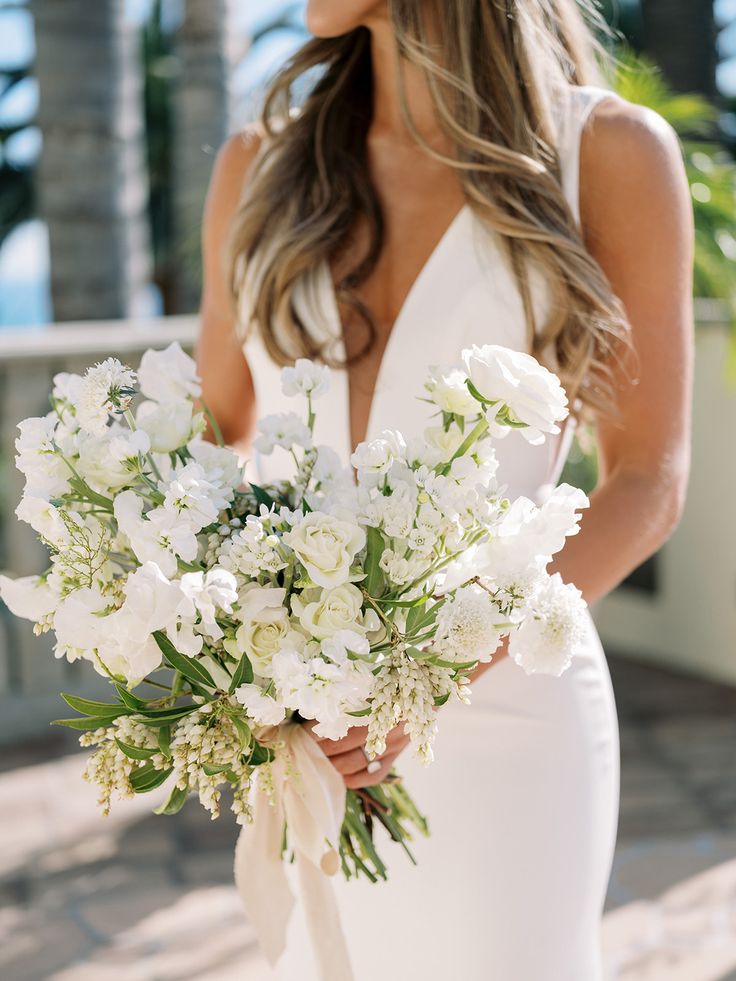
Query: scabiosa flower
[546,641]
[106,388]
[469,626]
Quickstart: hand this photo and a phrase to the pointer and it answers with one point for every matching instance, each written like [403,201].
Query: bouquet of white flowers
[224,613]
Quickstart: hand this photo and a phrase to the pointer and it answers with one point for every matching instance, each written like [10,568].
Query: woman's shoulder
[628,152]
[237,155]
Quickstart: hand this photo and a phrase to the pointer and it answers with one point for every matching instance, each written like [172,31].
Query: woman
[459,174]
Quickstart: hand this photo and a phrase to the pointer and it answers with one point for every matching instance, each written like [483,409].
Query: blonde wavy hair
[492,77]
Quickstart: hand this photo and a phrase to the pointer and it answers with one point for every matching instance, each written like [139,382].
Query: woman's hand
[349,759]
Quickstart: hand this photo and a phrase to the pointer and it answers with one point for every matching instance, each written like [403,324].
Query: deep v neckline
[411,299]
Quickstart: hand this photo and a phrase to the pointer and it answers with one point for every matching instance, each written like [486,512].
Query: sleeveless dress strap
[578,105]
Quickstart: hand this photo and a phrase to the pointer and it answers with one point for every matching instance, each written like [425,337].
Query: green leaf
[441,699]
[243,674]
[262,496]
[147,778]
[188,666]
[457,665]
[242,729]
[407,604]
[88,707]
[360,714]
[135,752]
[132,701]
[164,741]
[90,722]
[374,577]
[260,754]
[175,802]
[212,769]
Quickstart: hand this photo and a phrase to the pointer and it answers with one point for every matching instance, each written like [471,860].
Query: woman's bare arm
[227,386]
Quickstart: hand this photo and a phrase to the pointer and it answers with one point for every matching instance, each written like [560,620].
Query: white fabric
[522,798]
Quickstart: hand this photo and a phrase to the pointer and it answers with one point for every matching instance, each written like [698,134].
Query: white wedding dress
[522,798]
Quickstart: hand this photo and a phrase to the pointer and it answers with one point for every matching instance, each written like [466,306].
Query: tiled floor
[141,898]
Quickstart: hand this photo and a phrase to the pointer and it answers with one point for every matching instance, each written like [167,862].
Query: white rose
[448,390]
[326,546]
[305,378]
[376,456]
[264,635]
[168,425]
[517,382]
[169,375]
[335,609]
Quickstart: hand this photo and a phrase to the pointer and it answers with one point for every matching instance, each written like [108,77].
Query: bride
[458,173]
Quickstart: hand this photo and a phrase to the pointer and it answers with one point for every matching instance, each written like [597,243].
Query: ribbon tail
[260,877]
[323,922]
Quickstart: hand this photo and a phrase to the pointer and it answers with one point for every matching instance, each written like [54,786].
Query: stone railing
[689,620]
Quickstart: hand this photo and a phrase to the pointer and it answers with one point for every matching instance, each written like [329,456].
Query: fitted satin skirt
[522,802]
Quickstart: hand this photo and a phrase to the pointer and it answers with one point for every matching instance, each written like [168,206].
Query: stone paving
[141,898]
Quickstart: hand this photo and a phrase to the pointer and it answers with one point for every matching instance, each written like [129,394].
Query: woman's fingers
[351,762]
[362,778]
[333,747]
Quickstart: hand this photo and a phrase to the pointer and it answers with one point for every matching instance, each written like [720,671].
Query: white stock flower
[219,464]
[554,630]
[263,709]
[45,519]
[252,550]
[168,424]
[161,536]
[374,457]
[469,626]
[305,378]
[326,546]
[283,429]
[109,461]
[67,387]
[106,387]
[78,626]
[205,593]
[30,597]
[191,498]
[169,375]
[448,391]
[323,613]
[46,473]
[518,382]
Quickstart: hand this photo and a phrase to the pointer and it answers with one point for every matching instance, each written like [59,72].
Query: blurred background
[111,113]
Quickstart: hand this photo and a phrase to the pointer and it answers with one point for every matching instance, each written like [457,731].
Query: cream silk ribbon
[309,795]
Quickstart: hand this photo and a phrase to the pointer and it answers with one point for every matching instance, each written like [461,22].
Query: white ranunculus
[447,441]
[107,387]
[331,610]
[263,709]
[169,375]
[168,424]
[326,546]
[29,597]
[376,456]
[448,391]
[515,380]
[305,378]
[284,429]
[552,634]
[108,462]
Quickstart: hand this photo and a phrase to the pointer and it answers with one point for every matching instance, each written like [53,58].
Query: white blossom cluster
[364,595]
